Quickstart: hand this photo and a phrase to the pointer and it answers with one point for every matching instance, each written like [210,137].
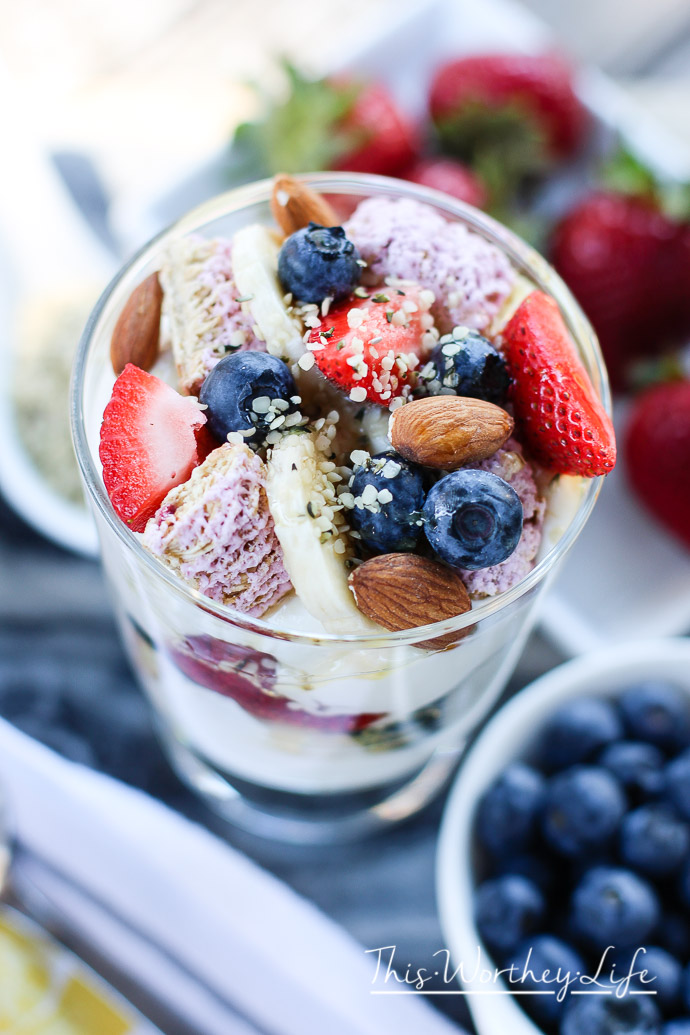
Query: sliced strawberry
[560,416]
[248,677]
[658,454]
[152,438]
[371,347]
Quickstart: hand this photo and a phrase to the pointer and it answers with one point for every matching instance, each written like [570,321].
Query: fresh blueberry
[664,974]
[658,713]
[680,1026]
[678,783]
[473,519]
[653,840]
[684,885]
[247,391]
[582,809]
[611,1015]
[536,965]
[637,766]
[468,364]
[506,910]
[319,262]
[576,731]
[674,935]
[507,814]
[612,906]
[392,521]
[536,868]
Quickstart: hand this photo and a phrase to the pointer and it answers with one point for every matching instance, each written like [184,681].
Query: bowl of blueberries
[563,872]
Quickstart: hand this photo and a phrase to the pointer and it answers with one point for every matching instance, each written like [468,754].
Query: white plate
[505,738]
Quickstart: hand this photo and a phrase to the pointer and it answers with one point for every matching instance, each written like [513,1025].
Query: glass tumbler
[294,735]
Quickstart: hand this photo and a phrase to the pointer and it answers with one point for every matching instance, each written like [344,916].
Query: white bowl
[507,737]
[26,490]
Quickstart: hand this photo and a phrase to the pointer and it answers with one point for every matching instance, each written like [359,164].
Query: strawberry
[628,264]
[508,114]
[657,447]
[450,177]
[561,418]
[248,677]
[371,346]
[152,438]
[382,140]
[326,124]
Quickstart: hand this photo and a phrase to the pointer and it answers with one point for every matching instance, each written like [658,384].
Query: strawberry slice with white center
[372,344]
[152,438]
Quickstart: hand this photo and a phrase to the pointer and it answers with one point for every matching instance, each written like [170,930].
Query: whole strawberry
[381,139]
[560,416]
[657,448]
[509,114]
[326,124]
[450,177]
[628,264]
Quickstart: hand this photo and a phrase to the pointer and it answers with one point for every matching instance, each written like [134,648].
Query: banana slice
[521,289]
[255,264]
[301,499]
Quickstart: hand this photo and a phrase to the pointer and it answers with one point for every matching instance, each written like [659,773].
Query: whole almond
[135,337]
[403,591]
[448,431]
[294,205]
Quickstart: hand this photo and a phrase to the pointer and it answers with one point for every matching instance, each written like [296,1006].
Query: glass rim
[521,255]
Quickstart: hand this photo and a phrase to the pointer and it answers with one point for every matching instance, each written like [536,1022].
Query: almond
[404,590]
[135,337]
[293,205]
[448,431]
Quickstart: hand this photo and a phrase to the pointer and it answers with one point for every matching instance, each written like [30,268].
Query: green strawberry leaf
[625,173]
[504,146]
[302,132]
[647,372]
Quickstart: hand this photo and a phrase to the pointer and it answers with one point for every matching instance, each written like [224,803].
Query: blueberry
[247,391]
[664,974]
[506,910]
[658,713]
[678,783]
[470,365]
[506,816]
[473,519]
[582,809]
[637,766]
[612,906]
[680,1026]
[653,840]
[537,963]
[319,262]
[674,935]
[684,885]
[611,1015]
[394,523]
[538,869]
[576,731]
